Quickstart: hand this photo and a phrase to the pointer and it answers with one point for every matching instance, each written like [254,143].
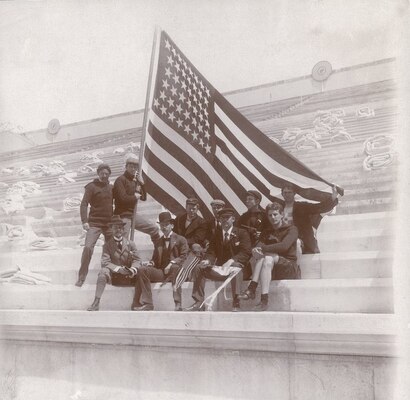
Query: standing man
[97,194]
[306,216]
[169,253]
[128,189]
[190,225]
[119,260]
[274,255]
[229,248]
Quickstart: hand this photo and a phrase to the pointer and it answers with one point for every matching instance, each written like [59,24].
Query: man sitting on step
[169,253]
[229,249]
[274,256]
[119,262]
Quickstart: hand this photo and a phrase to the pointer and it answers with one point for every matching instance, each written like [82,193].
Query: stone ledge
[309,333]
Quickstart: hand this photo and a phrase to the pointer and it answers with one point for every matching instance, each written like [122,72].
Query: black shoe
[178,307]
[95,306]
[195,307]
[261,307]
[80,282]
[247,295]
[144,307]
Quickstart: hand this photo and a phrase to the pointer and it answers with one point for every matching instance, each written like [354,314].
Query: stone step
[313,266]
[315,295]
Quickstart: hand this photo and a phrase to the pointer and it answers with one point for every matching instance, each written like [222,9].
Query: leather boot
[95,306]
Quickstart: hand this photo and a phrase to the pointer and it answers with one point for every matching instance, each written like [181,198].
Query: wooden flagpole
[148,102]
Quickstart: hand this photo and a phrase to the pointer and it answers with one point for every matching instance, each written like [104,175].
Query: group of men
[261,244]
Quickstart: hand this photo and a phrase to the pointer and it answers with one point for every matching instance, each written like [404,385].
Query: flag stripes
[199,145]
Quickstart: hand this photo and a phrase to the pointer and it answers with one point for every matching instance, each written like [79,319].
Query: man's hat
[116,220]
[132,159]
[217,202]
[226,211]
[193,201]
[255,194]
[165,217]
[103,166]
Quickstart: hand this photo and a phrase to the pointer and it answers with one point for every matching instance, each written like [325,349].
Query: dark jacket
[281,241]
[124,194]
[254,222]
[177,251]
[238,248]
[99,196]
[305,217]
[194,233]
[210,228]
[112,257]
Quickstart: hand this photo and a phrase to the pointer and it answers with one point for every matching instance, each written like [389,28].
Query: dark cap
[255,194]
[226,211]
[116,220]
[193,201]
[217,202]
[165,217]
[103,166]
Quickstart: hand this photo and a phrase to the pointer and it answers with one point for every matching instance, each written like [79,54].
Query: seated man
[169,253]
[303,214]
[119,259]
[212,225]
[274,256]
[190,225]
[231,246]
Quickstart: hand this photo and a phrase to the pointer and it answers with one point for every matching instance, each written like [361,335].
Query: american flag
[197,144]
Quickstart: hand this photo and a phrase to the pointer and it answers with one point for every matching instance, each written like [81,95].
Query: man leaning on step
[97,194]
[119,262]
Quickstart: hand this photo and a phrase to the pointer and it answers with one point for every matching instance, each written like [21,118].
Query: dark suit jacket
[178,250]
[257,221]
[112,257]
[305,217]
[194,233]
[239,247]
[210,229]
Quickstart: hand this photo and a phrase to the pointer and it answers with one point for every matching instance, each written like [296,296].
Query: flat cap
[192,200]
[226,211]
[116,220]
[217,202]
[132,159]
[255,194]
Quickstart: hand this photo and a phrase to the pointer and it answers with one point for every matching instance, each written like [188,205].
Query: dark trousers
[146,276]
[199,276]
[91,238]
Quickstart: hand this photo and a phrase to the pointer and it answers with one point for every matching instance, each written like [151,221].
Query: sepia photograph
[204,200]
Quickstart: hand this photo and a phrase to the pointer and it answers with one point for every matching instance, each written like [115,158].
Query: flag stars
[183,73]
[189,103]
[200,116]
[189,91]
[206,101]
[179,57]
[207,92]
[183,85]
[174,52]
[156,103]
[165,84]
[194,122]
[182,97]
[162,95]
[168,72]
[195,110]
[207,135]
[167,44]
[174,91]
[194,136]
[200,128]
[202,85]
[201,142]
[186,114]
[207,123]
[179,122]
[163,110]
[178,67]
[187,130]
[171,116]
[170,60]
[179,108]
[208,148]
[170,102]
[176,78]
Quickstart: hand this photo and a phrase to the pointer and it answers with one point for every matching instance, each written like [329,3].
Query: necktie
[226,237]
[119,244]
[166,241]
